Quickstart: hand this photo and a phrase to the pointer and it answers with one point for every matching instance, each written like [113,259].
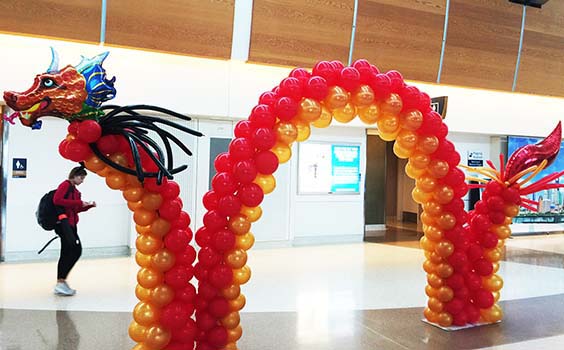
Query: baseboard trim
[53,254]
[322,240]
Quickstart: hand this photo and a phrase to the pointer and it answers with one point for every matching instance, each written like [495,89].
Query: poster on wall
[326,168]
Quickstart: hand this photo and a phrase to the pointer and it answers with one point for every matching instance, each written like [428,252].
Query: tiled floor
[354,296]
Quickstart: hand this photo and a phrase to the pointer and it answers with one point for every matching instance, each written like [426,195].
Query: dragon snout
[11,98]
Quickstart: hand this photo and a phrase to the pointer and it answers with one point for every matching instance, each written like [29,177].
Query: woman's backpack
[47,213]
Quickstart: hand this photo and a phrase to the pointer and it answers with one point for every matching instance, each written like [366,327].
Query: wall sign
[19,167]
[439,105]
[475,158]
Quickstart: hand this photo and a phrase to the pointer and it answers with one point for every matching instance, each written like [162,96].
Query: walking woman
[69,198]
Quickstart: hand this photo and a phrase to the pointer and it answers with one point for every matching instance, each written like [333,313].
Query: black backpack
[47,213]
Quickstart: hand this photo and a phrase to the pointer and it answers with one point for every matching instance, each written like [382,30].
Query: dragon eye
[48,82]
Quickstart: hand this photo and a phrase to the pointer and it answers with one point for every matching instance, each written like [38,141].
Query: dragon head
[72,93]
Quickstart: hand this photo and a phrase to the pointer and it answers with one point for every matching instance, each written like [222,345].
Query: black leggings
[71,249]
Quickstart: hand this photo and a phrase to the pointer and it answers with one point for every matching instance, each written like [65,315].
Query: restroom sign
[19,167]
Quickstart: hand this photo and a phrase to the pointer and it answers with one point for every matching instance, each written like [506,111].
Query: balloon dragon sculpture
[462,249]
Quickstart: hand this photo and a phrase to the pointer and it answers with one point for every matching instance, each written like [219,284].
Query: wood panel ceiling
[194,27]
[482,43]
[300,33]
[75,20]
[404,35]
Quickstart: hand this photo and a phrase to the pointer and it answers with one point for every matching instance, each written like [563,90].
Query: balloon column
[462,249]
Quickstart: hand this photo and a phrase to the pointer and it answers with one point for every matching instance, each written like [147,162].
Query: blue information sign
[345,161]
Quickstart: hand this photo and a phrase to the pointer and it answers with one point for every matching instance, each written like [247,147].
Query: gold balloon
[413,172]
[162,295]
[283,152]
[393,104]
[495,267]
[157,337]
[144,217]
[266,182]
[435,281]
[430,315]
[245,241]
[438,168]
[143,260]
[304,131]
[344,114]
[160,227]
[116,181]
[401,152]
[426,244]
[431,292]
[445,319]
[433,233]
[231,292]
[443,194]
[149,278]
[142,294]
[242,275]
[493,314]
[444,270]
[433,208]
[502,231]
[163,260]
[231,346]
[286,132]
[231,321]
[133,194]
[324,120]
[363,96]
[309,110]
[234,334]
[388,136]
[407,139]
[411,120]
[251,213]
[388,124]
[239,224]
[137,332]
[236,259]
[493,255]
[237,303]
[420,196]
[435,305]
[427,144]
[337,97]
[434,257]
[445,294]
[94,164]
[444,249]
[511,211]
[148,244]
[419,160]
[429,267]
[493,283]
[142,346]
[369,114]
[427,219]
[496,296]
[151,201]
[426,183]
[446,221]
[146,314]
[508,221]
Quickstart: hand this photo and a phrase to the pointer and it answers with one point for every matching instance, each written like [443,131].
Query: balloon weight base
[458,328]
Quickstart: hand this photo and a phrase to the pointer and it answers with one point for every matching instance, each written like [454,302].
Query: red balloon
[240,149]
[186,295]
[243,128]
[219,308]
[463,294]
[223,240]
[266,162]
[396,79]
[182,222]
[151,184]
[454,177]
[63,148]
[221,276]
[366,70]
[185,335]
[170,191]
[222,162]
[301,74]
[337,65]
[262,116]
[431,123]
[496,217]
[268,98]
[488,240]
[316,88]
[473,280]
[286,108]
[205,346]
[186,257]
[210,200]
[214,221]
[175,315]
[224,183]
[73,128]
[250,195]
[410,97]
[245,171]
[475,252]
[208,257]
[424,102]
[481,207]
[454,306]
[77,151]
[206,291]
[472,312]
[170,209]
[511,195]
[179,276]
[201,273]
[217,337]
[460,319]
[460,190]
[229,205]
[495,203]
[458,260]
[350,78]
[290,87]
[382,85]
[205,321]
[327,71]
[108,144]
[203,236]
[483,267]
[176,345]
[264,138]
[89,131]
[176,241]
[480,223]
[483,299]
[455,281]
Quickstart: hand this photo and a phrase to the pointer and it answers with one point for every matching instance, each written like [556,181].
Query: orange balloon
[143,260]
[445,294]
[157,337]
[94,164]
[433,233]
[493,283]
[407,139]
[426,244]
[143,230]
[413,172]
[283,152]
[309,110]
[266,182]
[344,114]
[324,119]
[142,346]
[427,144]
[239,224]
[148,244]
[420,196]
[411,120]
[502,231]
[237,303]
[162,295]
[426,183]
[443,194]
[438,168]
[493,255]
[231,321]
[495,267]
[444,249]
[245,241]
[231,346]
[133,206]
[231,292]
[242,275]
[431,292]
[429,267]
[363,96]
[146,314]
[137,332]
[496,296]
[427,219]
[304,131]
[511,210]
[419,160]
[435,281]
[142,294]
[163,260]
[493,314]
[151,201]
[446,221]
[435,305]
[251,213]
[106,171]
[144,217]
[337,97]
[234,334]
[116,181]
[369,114]
[286,132]
[445,319]
[444,270]
[236,259]
[433,208]
[388,124]
[393,104]
[132,181]
[149,278]
[430,315]
[160,227]
[401,152]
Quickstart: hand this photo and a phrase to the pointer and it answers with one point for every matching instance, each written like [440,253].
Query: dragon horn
[54,66]
[89,62]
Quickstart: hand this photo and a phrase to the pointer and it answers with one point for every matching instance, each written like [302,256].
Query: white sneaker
[62,288]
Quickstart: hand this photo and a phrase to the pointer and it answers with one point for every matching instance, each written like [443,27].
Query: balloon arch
[462,249]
